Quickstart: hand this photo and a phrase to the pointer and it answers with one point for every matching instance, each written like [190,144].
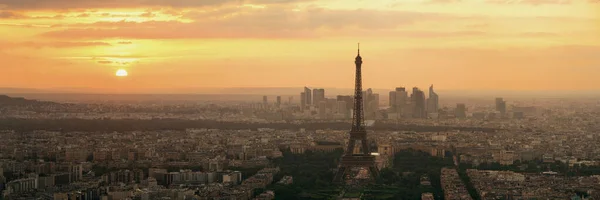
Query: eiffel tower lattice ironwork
[363,158]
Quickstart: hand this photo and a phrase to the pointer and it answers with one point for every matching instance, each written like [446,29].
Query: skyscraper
[367,98]
[318,96]
[307,96]
[302,100]
[342,108]
[392,100]
[461,111]
[401,100]
[348,99]
[322,109]
[418,103]
[374,104]
[278,101]
[432,101]
[501,106]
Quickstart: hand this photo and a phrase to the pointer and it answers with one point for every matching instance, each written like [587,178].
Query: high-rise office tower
[418,103]
[374,104]
[278,101]
[307,96]
[348,99]
[461,110]
[342,108]
[331,104]
[401,100]
[392,100]
[322,109]
[367,98]
[302,100]
[432,101]
[501,106]
[318,96]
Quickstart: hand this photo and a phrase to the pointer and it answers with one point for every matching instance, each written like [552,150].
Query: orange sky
[454,44]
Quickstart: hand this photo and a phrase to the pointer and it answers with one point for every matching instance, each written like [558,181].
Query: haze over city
[299,99]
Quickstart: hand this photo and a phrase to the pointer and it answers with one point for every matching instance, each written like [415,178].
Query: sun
[121,73]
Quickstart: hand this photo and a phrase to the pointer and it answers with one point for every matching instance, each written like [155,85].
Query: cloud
[538,34]
[271,22]
[84,15]
[110,62]
[15,15]
[442,1]
[438,34]
[76,4]
[148,14]
[125,42]
[10,15]
[25,25]
[56,44]
[89,4]
[530,2]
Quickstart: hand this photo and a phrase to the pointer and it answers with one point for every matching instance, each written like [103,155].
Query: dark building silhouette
[418,103]
[432,101]
[302,100]
[308,96]
[318,96]
[322,106]
[278,101]
[398,100]
[392,99]
[348,99]
[371,103]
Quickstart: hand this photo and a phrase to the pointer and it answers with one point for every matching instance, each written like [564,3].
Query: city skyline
[540,45]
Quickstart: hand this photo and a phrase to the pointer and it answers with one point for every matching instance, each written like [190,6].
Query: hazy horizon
[268,90]
[256,94]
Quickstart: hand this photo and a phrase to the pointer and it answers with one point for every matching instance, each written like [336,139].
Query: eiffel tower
[358,132]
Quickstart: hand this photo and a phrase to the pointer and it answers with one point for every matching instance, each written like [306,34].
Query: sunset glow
[468,44]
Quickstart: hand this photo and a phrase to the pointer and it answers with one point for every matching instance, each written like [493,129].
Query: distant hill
[19,101]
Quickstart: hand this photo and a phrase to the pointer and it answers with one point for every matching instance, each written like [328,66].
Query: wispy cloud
[55,44]
[530,2]
[105,62]
[255,23]
[90,4]
[442,1]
